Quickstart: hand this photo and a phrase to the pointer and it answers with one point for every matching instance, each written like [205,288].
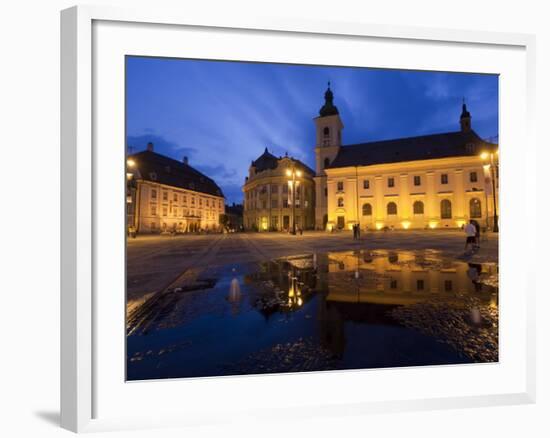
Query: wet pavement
[313,312]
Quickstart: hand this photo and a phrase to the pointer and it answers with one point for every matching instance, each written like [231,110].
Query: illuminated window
[475,208]
[446,209]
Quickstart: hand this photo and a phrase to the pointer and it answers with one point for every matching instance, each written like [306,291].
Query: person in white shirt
[470,231]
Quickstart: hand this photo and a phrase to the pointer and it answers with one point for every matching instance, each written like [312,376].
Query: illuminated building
[429,181]
[164,195]
[268,192]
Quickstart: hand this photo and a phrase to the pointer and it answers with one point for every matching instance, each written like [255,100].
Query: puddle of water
[328,311]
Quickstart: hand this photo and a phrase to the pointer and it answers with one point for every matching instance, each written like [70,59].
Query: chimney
[185,160]
[150,147]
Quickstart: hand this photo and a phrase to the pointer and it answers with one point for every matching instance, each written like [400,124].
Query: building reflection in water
[362,287]
[234,296]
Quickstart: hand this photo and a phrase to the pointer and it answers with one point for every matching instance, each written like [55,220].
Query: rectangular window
[193,200]
[164,211]
[419,284]
[175,197]
[340,186]
[153,194]
[448,285]
[274,189]
[184,199]
[393,284]
[153,210]
[285,203]
[275,222]
[366,184]
[444,178]
[326,192]
[417,180]
[473,176]
[165,196]
[285,188]
[274,203]
[391,182]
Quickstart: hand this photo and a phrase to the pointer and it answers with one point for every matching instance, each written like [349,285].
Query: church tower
[328,127]
[465,119]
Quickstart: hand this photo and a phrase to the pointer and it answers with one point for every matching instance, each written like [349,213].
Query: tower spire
[328,109]
[465,118]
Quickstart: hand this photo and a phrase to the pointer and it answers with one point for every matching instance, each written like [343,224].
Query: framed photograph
[253,208]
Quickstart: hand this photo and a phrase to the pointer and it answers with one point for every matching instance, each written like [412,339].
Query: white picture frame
[81,339]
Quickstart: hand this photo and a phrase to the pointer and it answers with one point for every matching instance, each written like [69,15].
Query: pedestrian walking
[470,231]
[478,229]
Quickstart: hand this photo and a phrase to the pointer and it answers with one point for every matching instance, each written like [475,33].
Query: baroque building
[429,181]
[164,194]
[268,194]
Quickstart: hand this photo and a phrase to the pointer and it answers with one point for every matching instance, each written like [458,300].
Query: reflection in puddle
[324,311]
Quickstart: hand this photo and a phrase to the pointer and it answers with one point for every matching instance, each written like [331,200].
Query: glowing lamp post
[131,198]
[489,158]
[293,173]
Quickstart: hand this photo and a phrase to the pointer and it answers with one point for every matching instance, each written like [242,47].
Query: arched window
[446,209]
[340,202]
[475,208]
[326,131]
[327,162]
[418,207]
[367,210]
[391,208]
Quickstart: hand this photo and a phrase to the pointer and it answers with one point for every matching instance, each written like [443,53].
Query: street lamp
[491,157]
[293,173]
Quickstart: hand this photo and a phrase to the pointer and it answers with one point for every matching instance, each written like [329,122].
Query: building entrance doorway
[340,222]
[286,222]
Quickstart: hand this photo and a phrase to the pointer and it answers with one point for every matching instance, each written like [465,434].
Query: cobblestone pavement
[155,263]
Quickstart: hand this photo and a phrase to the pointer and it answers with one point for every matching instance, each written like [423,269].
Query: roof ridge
[389,140]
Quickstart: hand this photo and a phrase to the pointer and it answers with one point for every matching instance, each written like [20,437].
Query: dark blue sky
[223,114]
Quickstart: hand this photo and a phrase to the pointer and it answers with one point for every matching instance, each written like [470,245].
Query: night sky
[222,115]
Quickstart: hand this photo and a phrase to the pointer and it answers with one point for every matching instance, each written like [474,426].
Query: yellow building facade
[432,181]
[268,194]
[167,195]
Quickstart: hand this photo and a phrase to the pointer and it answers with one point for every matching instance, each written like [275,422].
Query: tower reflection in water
[363,287]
